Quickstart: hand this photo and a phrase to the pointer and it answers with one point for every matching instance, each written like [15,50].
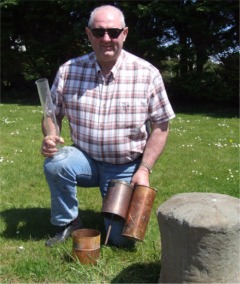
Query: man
[110,97]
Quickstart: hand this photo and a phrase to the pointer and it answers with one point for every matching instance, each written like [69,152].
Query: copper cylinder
[86,245]
[117,199]
[139,212]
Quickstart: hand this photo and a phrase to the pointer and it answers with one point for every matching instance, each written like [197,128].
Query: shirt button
[100,125]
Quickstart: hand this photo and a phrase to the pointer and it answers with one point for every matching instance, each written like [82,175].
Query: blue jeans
[63,175]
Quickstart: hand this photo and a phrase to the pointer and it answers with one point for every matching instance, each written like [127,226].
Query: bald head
[107,8]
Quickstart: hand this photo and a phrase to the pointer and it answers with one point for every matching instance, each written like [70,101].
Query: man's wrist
[146,166]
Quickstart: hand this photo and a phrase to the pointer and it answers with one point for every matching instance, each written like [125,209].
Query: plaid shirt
[108,117]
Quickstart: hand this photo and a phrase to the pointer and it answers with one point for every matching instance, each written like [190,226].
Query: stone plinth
[200,238]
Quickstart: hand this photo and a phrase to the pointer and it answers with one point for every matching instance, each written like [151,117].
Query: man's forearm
[49,128]
[155,144]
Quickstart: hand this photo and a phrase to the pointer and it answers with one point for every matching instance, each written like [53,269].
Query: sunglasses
[113,33]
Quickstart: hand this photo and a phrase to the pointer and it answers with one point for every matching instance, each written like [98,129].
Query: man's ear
[125,33]
[87,30]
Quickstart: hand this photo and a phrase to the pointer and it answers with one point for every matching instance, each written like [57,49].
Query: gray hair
[109,7]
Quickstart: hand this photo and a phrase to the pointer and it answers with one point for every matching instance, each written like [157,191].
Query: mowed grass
[202,155]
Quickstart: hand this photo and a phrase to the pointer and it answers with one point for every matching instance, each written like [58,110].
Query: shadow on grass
[139,273]
[34,223]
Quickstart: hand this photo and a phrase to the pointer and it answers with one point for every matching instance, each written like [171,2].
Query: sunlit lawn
[202,155]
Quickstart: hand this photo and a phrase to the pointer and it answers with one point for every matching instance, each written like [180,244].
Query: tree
[197,30]
[177,36]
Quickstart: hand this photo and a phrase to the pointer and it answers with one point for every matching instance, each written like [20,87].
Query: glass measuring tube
[50,120]
[47,106]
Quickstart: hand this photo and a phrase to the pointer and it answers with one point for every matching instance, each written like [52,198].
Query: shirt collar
[115,67]
[118,64]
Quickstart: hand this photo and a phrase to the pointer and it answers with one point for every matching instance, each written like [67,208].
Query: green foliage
[201,156]
[50,31]
[216,83]
[229,74]
[8,3]
[187,32]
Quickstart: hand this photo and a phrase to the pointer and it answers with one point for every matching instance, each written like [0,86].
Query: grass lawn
[202,155]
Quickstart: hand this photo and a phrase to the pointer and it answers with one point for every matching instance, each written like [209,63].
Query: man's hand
[49,145]
[141,177]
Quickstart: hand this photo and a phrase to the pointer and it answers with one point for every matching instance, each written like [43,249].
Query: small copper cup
[86,245]
[139,212]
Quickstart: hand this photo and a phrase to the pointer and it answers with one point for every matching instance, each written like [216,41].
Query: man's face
[107,49]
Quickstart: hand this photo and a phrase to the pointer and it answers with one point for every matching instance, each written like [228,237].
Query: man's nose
[106,36]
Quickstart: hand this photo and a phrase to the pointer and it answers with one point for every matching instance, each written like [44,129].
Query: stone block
[200,238]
